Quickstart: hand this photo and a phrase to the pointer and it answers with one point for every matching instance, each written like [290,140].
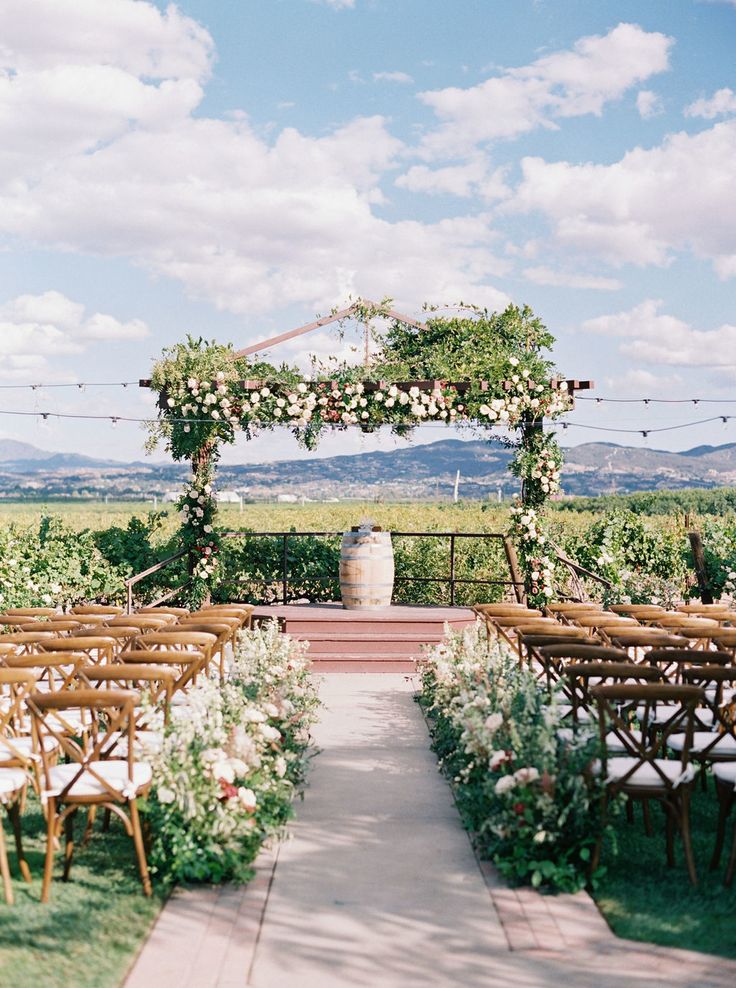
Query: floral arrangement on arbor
[479,369]
[527,796]
[231,761]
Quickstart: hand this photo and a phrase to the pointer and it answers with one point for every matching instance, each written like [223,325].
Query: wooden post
[514,571]
[696,544]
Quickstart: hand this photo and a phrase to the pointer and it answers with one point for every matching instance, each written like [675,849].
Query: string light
[657,401]
[412,422]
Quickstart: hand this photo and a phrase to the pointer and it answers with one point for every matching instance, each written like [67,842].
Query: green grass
[91,930]
[643,899]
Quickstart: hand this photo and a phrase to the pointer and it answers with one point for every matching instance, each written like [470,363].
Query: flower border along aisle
[231,761]
[529,798]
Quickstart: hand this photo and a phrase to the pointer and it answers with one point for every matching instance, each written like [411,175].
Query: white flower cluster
[207,399]
[526,528]
[547,471]
[194,504]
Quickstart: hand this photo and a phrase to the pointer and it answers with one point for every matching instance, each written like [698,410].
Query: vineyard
[79,552]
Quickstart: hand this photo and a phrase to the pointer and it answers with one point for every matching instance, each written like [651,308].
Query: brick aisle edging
[206,936]
[533,921]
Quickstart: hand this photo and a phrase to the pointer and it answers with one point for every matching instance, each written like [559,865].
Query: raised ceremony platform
[385,640]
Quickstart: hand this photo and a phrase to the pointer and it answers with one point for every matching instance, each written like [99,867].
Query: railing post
[452,571]
[129,602]
[696,544]
[285,573]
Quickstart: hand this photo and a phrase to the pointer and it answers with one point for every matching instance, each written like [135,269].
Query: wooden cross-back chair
[673,661]
[144,622]
[37,612]
[28,641]
[163,609]
[643,772]
[571,606]
[186,663]
[178,641]
[714,738]
[99,649]
[155,682]
[54,672]
[244,611]
[554,655]
[527,634]
[18,759]
[533,651]
[59,626]
[724,774]
[122,635]
[581,677]
[93,776]
[225,628]
[95,609]
[639,641]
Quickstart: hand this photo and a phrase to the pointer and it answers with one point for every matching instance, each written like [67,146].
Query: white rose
[505,784]
[247,799]
[493,722]
[165,795]
[496,760]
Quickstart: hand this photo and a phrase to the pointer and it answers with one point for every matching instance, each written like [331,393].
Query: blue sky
[233,169]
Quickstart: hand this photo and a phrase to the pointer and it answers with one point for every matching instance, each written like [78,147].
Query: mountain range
[410,472]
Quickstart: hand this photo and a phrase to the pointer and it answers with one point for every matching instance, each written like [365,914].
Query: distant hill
[410,472]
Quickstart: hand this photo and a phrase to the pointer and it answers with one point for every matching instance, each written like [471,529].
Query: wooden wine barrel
[366,570]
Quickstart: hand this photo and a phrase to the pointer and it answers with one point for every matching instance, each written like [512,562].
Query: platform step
[419,629]
[372,644]
[363,663]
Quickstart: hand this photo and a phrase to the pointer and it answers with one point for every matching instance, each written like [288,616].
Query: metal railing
[451,579]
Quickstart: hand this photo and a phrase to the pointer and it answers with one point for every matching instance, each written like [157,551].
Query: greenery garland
[478,368]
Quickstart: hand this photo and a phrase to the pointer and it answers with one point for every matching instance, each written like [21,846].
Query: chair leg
[91,814]
[48,867]
[725,802]
[139,849]
[5,869]
[69,844]
[14,816]
[686,841]
[647,817]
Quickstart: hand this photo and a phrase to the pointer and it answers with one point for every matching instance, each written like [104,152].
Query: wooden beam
[324,321]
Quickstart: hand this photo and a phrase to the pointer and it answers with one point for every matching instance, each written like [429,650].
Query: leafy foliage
[528,797]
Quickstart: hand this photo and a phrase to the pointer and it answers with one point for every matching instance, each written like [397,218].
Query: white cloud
[649,104]
[337,4]
[580,81]
[96,158]
[34,328]
[464,181]
[639,383]
[680,195]
[402,77]
[542,275]
[656,337]
[721,103]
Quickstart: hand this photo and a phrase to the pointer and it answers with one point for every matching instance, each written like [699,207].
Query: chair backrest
[647,747]
[97,648]
[110,609]
[708,609]
[16,685]
[187,663]
[142,621]
[116,708]
[552,629]
[155,681]
[60,626]
[28,641]
[505,610]
[579,652]
[580,674]
[637,610]
[43,665]
[645,637]
[31,611]
[724,712]
[571,606]
[163,611]
[673,661]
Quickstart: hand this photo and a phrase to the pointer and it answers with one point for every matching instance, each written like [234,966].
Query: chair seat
[725,746]
[11,780]
[646,775]
[583,715]
[703,716]
[114,772]
[725,772]
[73,719]
[24,747]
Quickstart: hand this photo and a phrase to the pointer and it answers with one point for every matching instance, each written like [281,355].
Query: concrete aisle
[378,885]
